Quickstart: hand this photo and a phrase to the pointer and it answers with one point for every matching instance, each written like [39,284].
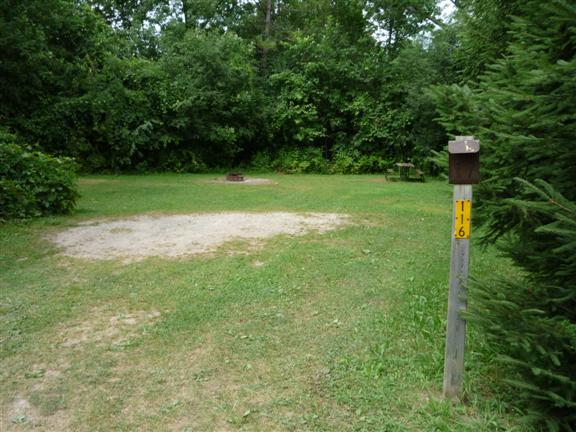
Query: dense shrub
[300,161]
[33,183]
[184,161]
[261,161]
[353,162]
[311,160]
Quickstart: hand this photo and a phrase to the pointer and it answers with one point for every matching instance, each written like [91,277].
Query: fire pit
[235,177]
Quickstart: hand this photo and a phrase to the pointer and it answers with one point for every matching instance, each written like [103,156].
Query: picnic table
[404,171]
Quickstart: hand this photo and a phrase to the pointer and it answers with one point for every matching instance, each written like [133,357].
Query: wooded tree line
[324,86]
[184,85]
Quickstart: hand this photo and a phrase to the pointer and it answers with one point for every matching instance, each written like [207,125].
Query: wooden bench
[390,174]
[420,175]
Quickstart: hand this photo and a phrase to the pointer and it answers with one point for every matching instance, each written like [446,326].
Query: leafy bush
[261,161]
[184,161]
[208,95]
[33,183]
[352,162]
[300,161]
[311,160]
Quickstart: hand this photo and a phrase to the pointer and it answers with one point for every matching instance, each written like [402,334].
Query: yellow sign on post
[462,225]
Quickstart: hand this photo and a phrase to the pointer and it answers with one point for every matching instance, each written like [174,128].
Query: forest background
[299,86]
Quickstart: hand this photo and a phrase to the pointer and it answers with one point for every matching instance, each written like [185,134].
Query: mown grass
[342,331]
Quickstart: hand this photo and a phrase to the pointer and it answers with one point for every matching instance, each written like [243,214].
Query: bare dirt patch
[22,415]
[22,411]
[90,182]
[251,181]
[100,327]
[180,235]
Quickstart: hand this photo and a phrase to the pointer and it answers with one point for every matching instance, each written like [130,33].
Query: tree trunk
[268,25]
[185,12]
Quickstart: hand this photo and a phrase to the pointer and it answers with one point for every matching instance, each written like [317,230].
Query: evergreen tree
[524,112]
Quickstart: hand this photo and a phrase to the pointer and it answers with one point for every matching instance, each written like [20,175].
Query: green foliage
[183,161]
[533,322]
[300,161]
[338,95]
[412,72]
[296,118]
[139,85]
[399,20]
[523,111]
[458,108]
[353,162]
[50,49]
[439,160]
[122,116]
[33,183]
[211,104]
[485,31]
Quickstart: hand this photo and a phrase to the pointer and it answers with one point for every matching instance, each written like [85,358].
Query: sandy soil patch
[180,235]
[247,181]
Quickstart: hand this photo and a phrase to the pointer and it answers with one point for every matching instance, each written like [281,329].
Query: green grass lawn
[341,331]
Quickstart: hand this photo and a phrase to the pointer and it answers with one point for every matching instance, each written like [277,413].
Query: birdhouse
[464,160]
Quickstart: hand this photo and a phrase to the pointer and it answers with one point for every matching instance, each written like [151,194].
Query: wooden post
[456,325]
[464,164]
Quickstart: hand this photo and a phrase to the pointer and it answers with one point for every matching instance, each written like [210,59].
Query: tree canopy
[154,84]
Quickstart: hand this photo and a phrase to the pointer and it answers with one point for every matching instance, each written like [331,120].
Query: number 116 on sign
[462,222]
